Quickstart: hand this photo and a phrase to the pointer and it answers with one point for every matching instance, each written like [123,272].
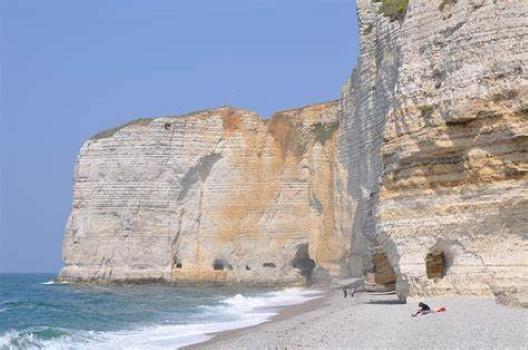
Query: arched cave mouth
[382,276]
[435,265]
[221,265]
[176,262]
[303,262]
[440,258]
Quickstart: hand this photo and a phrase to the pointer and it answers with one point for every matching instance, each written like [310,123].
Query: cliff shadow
[371,97]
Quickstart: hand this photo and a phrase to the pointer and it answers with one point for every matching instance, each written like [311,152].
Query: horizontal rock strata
[214,196]
[418,175]
[437,118]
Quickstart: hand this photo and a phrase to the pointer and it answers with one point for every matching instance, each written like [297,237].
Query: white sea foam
[154,337]
[289,296]
[7,339]
[247,311]
[29,340]
[54,282]
[47,283]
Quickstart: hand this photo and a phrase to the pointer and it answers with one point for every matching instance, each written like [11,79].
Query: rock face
[436,140]
[418,175]
[213,196]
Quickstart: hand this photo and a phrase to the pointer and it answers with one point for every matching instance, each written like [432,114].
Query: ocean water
[36,313]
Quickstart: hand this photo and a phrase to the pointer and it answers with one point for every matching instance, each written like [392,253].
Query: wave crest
[234,312]
[52,282]
[285,297]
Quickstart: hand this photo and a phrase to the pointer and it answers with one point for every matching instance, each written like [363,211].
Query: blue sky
[70,69]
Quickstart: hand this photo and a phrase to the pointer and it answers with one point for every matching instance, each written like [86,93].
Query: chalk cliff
[418,175]
[214,196]
[436,139]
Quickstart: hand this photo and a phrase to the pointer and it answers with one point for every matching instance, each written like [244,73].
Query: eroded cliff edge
[214,196]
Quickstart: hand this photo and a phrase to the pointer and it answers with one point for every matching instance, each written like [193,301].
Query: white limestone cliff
[213,196]
[436,141]
[424,159]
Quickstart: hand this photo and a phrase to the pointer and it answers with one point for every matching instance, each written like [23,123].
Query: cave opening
[440,257]
[382,277]
[435,265]
[303,262]
[221,265]
[218,265]
[176,262]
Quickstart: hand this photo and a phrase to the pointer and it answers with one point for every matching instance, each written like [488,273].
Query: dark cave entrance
[303,262]
[382,277]
[221,265]
[435,265]
[441,257]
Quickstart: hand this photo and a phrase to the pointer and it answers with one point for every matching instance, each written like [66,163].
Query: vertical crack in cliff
[176,240]
[315,203]
[199,223]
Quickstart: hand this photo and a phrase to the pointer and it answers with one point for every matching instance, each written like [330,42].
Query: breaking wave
[234,312]
[54,282]
[289,296]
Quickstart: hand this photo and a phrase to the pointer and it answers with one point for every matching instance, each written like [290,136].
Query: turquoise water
[37,313]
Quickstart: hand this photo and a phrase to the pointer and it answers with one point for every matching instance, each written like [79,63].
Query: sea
[38,313]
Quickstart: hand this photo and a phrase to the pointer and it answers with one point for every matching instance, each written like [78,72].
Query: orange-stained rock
[435,125]
[214,196]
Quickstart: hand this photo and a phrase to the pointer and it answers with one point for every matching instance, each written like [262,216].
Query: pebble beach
[376,322]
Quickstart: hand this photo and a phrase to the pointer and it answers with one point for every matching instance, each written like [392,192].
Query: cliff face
[213,196]
[418,174]
[436,139]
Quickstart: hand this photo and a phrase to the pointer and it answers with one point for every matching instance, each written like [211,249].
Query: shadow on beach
[385,302]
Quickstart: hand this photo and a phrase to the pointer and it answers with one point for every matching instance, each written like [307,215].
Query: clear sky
[70,69]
